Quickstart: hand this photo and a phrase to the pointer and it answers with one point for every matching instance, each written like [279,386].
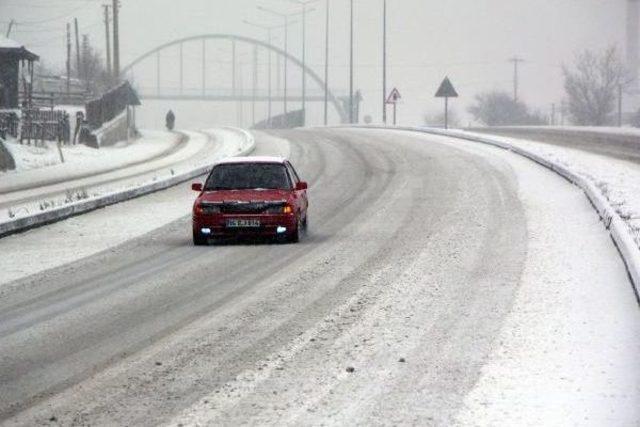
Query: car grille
[248,208]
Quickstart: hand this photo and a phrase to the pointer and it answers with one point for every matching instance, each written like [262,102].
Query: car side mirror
[197,186]
[302,186]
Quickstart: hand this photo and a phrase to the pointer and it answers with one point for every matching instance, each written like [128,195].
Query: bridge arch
[231,37]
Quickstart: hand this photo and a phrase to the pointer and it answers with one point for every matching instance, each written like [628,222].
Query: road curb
[618,230]
[84,206]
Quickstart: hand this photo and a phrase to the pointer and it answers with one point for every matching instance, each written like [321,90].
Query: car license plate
[243,223]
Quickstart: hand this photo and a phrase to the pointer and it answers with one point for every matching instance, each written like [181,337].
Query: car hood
[245,196]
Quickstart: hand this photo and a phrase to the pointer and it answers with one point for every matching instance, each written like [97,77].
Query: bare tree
[591,87]
[93,71]
[500,109]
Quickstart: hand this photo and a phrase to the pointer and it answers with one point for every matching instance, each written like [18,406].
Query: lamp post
[304,5]
[326,68]
[269,30]
[384,63]
[351,66]
[285,17]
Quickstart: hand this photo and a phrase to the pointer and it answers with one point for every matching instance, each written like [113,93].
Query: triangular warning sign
[446,90]
[394,96]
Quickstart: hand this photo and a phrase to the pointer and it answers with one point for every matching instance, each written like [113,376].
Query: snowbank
[41,165]
[236,142]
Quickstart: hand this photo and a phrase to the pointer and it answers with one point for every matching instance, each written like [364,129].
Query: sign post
[393,98]
[446,91]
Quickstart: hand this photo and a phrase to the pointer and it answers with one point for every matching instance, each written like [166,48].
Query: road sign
[394,96]
[446,91]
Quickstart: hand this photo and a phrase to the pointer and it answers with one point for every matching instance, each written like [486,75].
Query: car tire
[295,236]
[199,239]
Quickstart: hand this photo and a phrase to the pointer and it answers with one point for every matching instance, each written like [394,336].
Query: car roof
[253,159]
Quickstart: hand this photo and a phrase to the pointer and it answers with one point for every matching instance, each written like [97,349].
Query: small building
[15,61]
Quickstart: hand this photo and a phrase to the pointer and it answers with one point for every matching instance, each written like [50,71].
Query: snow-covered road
[442,283]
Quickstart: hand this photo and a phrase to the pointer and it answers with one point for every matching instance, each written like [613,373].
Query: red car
[250,197]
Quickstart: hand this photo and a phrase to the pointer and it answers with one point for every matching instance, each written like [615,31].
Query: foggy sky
[468,40]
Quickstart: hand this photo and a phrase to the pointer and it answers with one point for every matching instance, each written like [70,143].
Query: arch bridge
[237,92]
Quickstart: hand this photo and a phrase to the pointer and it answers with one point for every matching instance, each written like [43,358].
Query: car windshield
[245,176]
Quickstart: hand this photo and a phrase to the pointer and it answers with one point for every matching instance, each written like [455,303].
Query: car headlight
[282,209]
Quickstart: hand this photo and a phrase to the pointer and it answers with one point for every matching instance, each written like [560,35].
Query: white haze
[469,40]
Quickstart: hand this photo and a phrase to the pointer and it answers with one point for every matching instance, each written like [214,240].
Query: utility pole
[351,66]
[68,60]
[79,69]
[254,86]
[304,5]
[204,67]
[107,38]
[181,68]
[116,40]
[285,17]
[326,68]
[619,104]
[553,114]
[11,23]
[516,62]
[384,66]
[269,30]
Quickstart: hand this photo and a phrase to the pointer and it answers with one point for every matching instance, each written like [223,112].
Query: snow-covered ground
[605,130]
[30,252]
[619,180]
[198,151]
[567,353]
[80,159]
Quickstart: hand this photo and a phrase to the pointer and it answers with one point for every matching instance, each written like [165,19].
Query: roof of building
[15,49]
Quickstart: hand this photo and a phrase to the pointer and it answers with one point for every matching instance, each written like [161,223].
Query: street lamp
[326,69]
[269,30]
[286,17]
[351,66]
[304,4]
[384,62]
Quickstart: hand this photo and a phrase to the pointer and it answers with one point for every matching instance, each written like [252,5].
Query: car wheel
[199,239]
[295,236]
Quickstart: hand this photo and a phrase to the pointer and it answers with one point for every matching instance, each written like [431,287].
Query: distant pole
[384,67]
[516,62]
[255,86]
[351,67]
[304,63]
[326,69]
[68,60]
[395,111]
[269,30]
[446,112]
[11,23]
[286,61]
[234,75]
[158,72]
[553,114]
[107,38]
[620,105]
[116,40]
[270,78]
[204,67]
[181,68]
[78,65]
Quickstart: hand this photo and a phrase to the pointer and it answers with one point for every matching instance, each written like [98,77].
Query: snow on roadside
[567,353]
[86,235]
[33,163]
[619,180]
